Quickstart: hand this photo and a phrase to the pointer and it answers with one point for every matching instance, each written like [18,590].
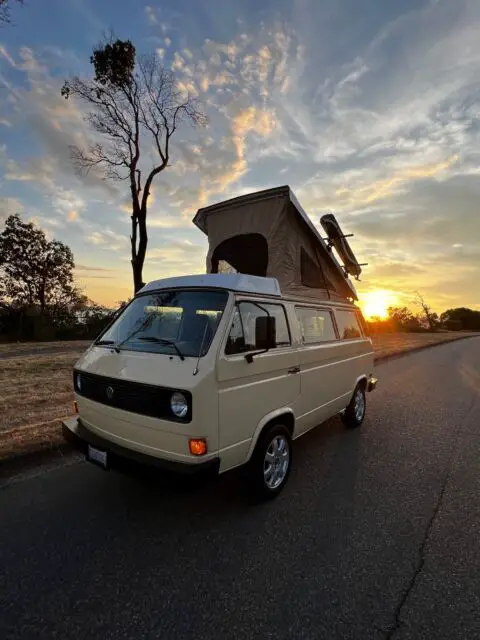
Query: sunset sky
[367,108]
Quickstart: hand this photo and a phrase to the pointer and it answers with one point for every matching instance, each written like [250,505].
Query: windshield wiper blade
[163,341]
[143,326]
[102,342]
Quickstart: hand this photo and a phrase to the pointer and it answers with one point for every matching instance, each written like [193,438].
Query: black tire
[259,489]
[353,416]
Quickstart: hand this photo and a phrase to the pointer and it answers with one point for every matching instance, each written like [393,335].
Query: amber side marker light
[75,407]
[198,447]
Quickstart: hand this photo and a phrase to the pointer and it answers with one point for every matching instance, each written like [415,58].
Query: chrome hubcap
[277,460]
[359,405]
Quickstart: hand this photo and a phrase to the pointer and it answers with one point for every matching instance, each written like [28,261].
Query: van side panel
[329,373]
[248,392]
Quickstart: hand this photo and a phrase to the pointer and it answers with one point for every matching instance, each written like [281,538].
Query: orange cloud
[250,120]
[385,188]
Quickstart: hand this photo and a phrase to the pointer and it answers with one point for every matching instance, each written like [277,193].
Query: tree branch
[5,15]
[132,104]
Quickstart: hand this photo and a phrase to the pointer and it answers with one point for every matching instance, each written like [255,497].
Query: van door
[250,391]
[322,386]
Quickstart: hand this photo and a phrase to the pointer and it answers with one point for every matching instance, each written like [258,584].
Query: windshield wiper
[104,342]
[143,326]
[163,341]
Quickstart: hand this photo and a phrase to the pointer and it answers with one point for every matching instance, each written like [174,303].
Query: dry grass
[13,349]
[391,343]
[17,348]
[35,394]
[33,439]
[36,391]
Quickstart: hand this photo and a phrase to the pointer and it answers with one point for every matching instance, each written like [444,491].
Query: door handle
[294,370]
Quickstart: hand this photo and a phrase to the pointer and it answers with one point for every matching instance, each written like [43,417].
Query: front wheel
[354,414]
[269,467]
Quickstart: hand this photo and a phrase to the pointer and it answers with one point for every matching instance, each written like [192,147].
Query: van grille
[135,397]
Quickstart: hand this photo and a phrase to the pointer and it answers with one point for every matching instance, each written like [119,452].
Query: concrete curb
[58,453]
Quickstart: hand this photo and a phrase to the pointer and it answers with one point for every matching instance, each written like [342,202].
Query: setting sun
[374,304]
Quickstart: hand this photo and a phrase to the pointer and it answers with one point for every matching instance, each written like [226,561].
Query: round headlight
[78,382]
[179,404]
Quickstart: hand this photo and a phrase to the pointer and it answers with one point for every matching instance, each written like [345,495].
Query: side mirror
[265,333]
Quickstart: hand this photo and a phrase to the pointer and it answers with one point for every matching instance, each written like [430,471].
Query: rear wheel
[354,414]
[269,467]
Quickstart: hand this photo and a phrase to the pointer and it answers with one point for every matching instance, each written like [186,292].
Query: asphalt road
[377,534]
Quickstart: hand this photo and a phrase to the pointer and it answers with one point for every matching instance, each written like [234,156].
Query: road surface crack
[431,521]
[421,560]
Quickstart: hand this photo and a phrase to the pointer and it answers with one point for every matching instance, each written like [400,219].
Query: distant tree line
[404,320]
[38,296]
[461,319]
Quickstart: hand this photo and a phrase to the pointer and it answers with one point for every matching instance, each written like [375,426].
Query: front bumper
[372,384]
[122,458]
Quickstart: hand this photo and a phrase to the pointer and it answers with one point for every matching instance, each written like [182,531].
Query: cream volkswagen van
[228,368]
[219,371]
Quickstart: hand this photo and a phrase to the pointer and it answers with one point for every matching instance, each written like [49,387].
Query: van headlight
[179,404]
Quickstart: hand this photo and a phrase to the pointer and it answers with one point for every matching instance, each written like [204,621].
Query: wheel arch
[361,381]
[284,415]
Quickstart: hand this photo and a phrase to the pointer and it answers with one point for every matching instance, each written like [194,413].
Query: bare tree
[5,16]
[135,105]
[430,316]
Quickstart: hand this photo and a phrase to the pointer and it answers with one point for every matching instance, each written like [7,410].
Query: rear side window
[241,338]
[363,323]
[316,325]
[348,325]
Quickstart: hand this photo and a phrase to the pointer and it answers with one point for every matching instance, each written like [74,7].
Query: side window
[236,339]
[348,325]
[242,332]
[363,323]
[282,332]
[316,325]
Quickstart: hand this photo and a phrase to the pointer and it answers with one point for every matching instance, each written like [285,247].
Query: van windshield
[170,321]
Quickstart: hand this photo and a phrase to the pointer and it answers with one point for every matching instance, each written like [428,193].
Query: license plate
[97,456]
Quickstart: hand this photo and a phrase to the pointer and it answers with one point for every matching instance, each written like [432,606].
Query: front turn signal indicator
[198,446]
[75,407]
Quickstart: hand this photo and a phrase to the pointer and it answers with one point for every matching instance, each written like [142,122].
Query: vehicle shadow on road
[324,475]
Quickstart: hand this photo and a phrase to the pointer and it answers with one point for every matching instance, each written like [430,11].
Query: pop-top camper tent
[269,234]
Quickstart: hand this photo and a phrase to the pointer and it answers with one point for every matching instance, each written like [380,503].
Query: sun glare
[374,304]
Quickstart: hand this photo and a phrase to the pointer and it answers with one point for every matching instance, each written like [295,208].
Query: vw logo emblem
[109,392]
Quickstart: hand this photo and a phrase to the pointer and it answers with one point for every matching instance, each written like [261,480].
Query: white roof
[231,281]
